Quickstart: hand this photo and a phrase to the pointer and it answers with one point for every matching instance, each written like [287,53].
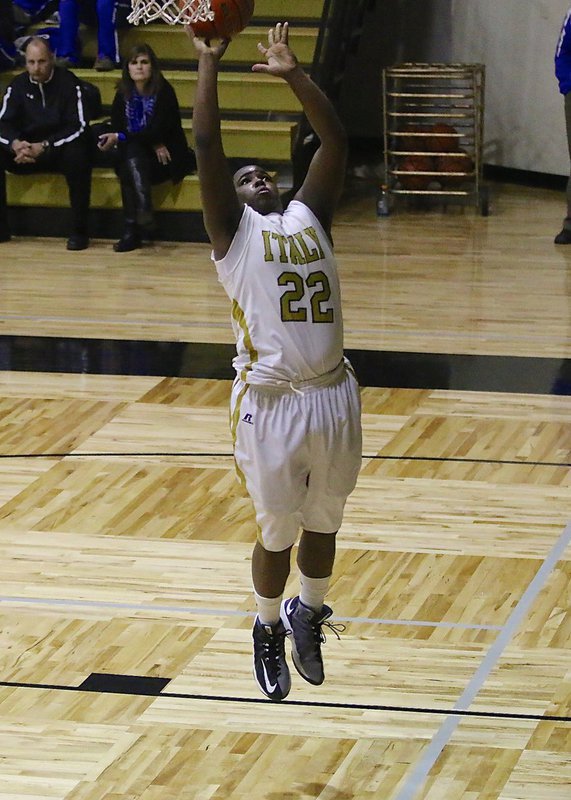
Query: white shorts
[298,454]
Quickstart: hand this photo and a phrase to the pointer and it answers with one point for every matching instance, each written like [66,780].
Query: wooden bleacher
[259,113]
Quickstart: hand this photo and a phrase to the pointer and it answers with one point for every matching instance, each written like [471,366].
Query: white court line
[225,612]
[442,737]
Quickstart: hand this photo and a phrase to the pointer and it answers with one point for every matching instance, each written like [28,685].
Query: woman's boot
[140,176]
[131,238]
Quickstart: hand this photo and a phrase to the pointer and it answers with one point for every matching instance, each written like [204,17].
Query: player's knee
[278,531]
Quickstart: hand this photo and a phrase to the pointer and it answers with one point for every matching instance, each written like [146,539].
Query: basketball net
[171,11]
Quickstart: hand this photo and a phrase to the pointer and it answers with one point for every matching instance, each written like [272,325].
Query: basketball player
[295,406]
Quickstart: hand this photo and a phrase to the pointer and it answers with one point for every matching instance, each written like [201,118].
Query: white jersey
[281,276]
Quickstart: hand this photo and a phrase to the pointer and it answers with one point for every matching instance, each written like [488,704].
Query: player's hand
[204,46]
[281,59]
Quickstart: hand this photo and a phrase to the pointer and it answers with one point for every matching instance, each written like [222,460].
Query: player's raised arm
[323,184]
[220,205]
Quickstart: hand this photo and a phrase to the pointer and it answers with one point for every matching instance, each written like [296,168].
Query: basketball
[414,164]
[414,143]
[460,163]
[445,140]
[230,17]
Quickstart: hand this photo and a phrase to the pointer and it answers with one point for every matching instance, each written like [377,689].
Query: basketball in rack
[182,12]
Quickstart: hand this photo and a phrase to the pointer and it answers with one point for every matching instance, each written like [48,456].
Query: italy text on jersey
[302,247]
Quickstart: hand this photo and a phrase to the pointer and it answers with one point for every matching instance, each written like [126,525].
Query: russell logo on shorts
[248,418]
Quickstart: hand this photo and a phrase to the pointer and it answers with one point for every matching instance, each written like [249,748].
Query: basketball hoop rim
[173,12]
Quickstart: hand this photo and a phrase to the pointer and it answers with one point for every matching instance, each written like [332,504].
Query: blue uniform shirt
[563,56]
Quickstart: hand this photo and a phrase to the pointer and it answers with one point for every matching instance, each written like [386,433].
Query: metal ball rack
[418,97]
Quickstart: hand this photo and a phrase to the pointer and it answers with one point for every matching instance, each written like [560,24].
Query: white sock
[268,608]
[313,591]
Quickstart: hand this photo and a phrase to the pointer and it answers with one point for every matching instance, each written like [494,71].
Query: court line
[302,703]
[224,612]
[370,457]
[441,738]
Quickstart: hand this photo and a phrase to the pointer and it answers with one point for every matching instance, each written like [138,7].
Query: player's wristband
[121,137]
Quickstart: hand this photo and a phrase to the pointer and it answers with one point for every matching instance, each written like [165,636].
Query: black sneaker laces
[337,627]
[273,647]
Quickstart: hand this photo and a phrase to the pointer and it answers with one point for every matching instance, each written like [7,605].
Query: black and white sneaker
[270,667]
[304,624]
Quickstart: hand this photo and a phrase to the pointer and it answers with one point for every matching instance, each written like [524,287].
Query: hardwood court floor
[125,600]
[451,282]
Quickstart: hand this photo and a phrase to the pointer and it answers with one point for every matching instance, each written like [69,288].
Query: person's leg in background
[8,51]
[131,237]
[564,236]
[74,161]
[138,170]
[68,50]
[107,42]
[5,161]
[139,164]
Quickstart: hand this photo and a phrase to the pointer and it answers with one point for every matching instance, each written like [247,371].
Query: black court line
[124,690]
[371,457]
[378,368]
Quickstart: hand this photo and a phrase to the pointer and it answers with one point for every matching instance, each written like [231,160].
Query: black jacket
[52,111]
[165,127]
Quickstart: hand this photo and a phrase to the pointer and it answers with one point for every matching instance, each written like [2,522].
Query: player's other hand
[281,59]
[204,46]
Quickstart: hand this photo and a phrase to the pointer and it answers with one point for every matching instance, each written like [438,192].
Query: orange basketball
[459,163]
[230,17]
[445,140]
[414,143]
[412,164]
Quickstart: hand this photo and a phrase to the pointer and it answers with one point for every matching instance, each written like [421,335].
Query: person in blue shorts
[105,15]
[7,35]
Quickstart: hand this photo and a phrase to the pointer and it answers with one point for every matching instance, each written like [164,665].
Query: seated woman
[148,140]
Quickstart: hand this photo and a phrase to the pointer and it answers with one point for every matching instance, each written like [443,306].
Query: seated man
[43,128]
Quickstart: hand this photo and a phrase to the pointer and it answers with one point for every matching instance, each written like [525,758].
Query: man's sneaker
[104,64]
[66,63]
[270,668]
[304,624]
